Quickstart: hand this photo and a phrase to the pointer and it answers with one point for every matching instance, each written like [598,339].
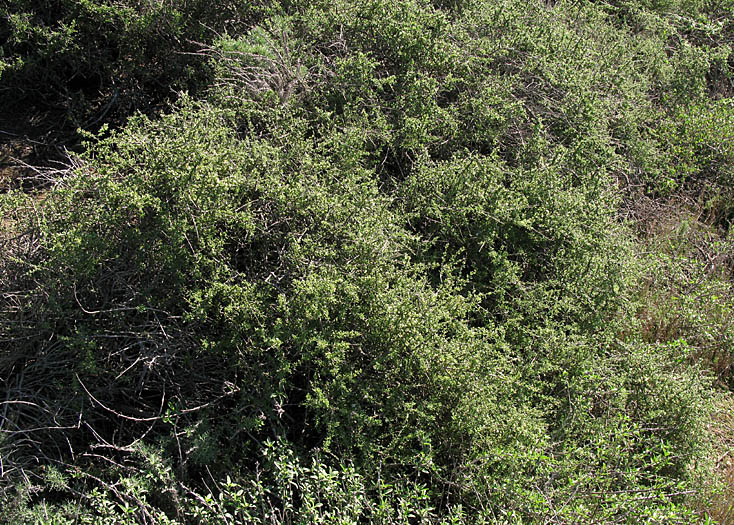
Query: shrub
[93,62]
[377,275]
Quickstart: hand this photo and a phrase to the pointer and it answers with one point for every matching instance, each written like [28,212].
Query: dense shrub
[92,62]
[376,273]
[206,293]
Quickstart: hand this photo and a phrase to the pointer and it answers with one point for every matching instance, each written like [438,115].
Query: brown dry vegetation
[687,294]
[721,509]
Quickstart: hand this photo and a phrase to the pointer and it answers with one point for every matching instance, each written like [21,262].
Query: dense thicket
[393,262]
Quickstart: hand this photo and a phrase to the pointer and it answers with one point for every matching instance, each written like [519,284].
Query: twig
[146,419]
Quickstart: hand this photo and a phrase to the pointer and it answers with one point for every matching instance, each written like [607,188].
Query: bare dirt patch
[15,158]
[30,138]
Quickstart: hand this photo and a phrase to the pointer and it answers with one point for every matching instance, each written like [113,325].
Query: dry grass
[721,508]
[687,288]
[688,293]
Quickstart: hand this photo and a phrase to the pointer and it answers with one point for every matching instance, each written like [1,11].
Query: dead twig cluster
[272,67]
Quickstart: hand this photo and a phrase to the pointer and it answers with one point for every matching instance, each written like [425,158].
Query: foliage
[99,61]
[376,272]
[686,294]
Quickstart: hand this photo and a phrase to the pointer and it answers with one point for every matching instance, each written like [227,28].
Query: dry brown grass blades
[722,506]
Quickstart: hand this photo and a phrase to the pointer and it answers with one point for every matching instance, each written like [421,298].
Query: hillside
[363,261]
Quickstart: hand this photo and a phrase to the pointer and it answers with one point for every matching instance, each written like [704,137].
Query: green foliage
[687,295]
[376,274]
[96,61]
[702,143]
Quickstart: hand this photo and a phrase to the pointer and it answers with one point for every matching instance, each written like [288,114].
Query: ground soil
[30,138]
